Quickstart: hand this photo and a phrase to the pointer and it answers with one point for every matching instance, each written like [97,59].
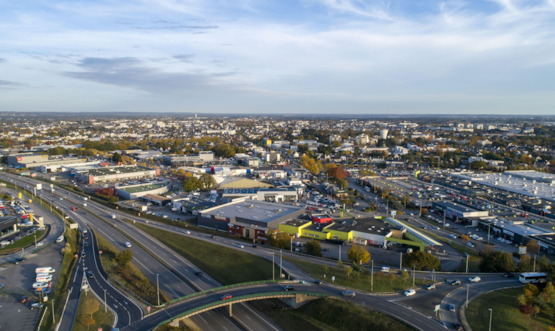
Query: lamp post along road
[490,316]
[158,289]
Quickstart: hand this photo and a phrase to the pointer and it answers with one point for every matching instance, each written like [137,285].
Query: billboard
[221,218]
[19,158]
[521,250]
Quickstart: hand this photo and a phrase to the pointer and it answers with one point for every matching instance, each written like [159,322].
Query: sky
[278,57]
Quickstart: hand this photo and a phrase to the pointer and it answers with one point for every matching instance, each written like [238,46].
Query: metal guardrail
[226,287]
[242,298]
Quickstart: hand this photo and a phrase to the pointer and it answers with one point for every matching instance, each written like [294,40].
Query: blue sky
[305,56]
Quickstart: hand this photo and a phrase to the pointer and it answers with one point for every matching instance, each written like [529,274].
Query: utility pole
[273,267]
[339,253]
[467,258]
[467,290]
[105,304]
[413,274]
[158,289]
[535,263]
[401,262]
[489,226]
[280,261]
[372,278]
[53,317]
[444,216]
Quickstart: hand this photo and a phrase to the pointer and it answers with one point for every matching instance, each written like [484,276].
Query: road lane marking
[143,265]
[172,291]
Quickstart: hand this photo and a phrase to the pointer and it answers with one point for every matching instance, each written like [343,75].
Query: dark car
[15,261]
[198,273]
[213,237]
[86,244]
[456,282]
[21,259]
[317,281]
[509,275]
[23,300]
[289,288]
[83,255]
[90,274]
[255,245]
[458,326]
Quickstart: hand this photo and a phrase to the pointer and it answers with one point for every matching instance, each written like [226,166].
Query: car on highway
[36,306]
[187,232]
[430,287]
[458,326]
[241,246]
[456,282]
[317,281]
[128,244]
[226,297]
[83,255]
[509,275]
[15,261]
[289,288]
[470,245]
[213,237]
[42,291]
[90,274]
[348,293]
[86,244]
[452,307]
[474,279]
[254,245]
[198,273]
[409,293]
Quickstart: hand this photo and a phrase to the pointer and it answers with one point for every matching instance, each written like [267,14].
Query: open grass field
[506,315]
[128,275]
[226,265]
[102,320]
[382,282]
[335,315]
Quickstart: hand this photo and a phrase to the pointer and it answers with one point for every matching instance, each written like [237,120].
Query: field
[128,275]
[331,315]
[226,265]
[382,282]
[506,315]
[98,319]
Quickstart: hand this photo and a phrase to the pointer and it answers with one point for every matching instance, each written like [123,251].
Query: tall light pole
[273,266]
[158,289]
[413,274]
[105,304]
[401,262]
[53,317]
[490,316]
[372,278]
[280,261]
[467,290]
[35,242]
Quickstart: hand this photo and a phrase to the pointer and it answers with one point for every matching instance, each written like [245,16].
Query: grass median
[23,242]
[331,315]
[506,315]
[128,275]
[91,314]
[226,265]
[383,282]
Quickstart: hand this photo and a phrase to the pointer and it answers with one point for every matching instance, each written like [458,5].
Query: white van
[128,244]
[37,285]
[43,274]
[45,270]
[60,239]
[43,279]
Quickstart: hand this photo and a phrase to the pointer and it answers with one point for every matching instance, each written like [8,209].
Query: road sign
[333,279]
[437,308]
[148,308]
[393,213]
[99,252]
[75,255]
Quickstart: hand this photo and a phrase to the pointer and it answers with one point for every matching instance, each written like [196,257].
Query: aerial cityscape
[302,165]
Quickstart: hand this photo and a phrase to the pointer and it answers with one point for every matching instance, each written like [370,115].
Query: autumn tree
[88,321]
[124,257]
[337,172]
[208,181]
[532,247]
[358,254]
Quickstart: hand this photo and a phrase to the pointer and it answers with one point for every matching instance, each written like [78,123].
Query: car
[15,261]
[409,293]
[452,307]
[474,279]
[86,244]
[1,286]
[90,274]
[187,232]
[226,297]
[456,282]
[23,300]
[469,245]
[43,291]
[85,231]
[317,281]
[83,255]
[255,246]
[348,293]
[241,246]
[36,306]
[289,288]
[40,244]
[458,326]
[213,237]
[430,287]
[128,244]
[509,275]
[198,273]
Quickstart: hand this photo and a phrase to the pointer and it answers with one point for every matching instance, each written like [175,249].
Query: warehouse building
[32,160]
[115,174]
[132,192]
[458,211]
[190,159]
[518,231]
[8,226]
[263,194]
[248,219]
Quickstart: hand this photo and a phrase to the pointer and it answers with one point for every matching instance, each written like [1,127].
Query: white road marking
[172,291]
[143,265]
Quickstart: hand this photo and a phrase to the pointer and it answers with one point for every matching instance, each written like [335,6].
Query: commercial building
[519,231]
[288,194]
[8,226]
[240,183]
[135,191]
[32,160]
[183,160]
[459,211]
[115,174]
[250,219]
[156,199]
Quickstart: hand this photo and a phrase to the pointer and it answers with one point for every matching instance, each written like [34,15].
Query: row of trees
[204,182]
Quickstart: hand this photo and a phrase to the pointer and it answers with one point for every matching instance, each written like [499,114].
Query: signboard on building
[221,218]
[19,158]
[521,250]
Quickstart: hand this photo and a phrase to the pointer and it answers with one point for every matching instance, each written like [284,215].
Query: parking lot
[17,316]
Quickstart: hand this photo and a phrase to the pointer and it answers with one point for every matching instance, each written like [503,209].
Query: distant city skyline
[274,57]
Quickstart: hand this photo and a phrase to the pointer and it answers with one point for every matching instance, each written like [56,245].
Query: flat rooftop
[141,188]
[114,170]
[296,222]
[252,209]
[521,229]
[367,225]
[457,206]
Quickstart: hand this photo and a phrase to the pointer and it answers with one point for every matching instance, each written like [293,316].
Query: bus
[533,277]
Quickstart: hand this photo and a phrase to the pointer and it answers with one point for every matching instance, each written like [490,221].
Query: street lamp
[490,315]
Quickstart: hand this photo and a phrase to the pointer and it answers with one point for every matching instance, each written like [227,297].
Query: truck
[45,270]
[73,208]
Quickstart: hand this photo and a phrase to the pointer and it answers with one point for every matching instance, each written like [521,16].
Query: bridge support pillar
[175,323]
[230,312]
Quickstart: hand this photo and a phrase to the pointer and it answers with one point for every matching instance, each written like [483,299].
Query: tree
[313,248]
[422,261]
[117,157]
[525,263]
[90,306]
[392,278]
[526,309]
[87,321]
[358,254]
[192,184]
[532,247]
[124,257]
[343,183]
[326,269]
[497,261]
[208,181]
[404,275]
[465,238]
[337,172]
[348,270]
[113,199]
[340,264]
[280,240]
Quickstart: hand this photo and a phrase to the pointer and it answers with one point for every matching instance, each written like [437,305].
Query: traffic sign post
[100,252]
[148,308]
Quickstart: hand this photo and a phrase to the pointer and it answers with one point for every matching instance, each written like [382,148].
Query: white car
[409,293]
[241,246]
[187,232]
[40,244]
[128,244]
[470,245]
[475,279]
[452,236]
[41,285]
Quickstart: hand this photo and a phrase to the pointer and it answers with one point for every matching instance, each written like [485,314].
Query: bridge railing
[241,298]
[227,287]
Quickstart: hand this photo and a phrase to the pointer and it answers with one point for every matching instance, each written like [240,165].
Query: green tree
[532,247]
[326,269]
[117,157]
[348,270]
[497,261]
[192,184]
[358,254]
[280,240]
[124,257]
[404,276]
[525,264]
[422,261]
[340,264]
[313,248]
[208,181]
[90,305]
